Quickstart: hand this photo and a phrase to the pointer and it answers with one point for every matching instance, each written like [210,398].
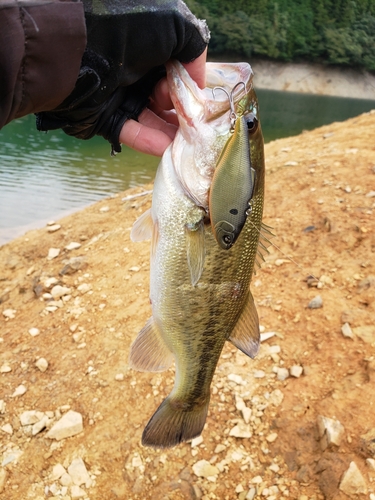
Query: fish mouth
[192,103]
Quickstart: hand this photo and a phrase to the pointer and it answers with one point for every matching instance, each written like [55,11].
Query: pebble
[266,335]
[5,368]
[282,373]
[104,209]
[371,463]
[196,441]
[59,291]
[77,492]
[205,469]
[237,379]
[53,253]
[347,331]
[73,245]
[7,428]
[259,374]
[365,333]
[9,313]
[119,376]
[41,364]
[53,228]
[29,417]
[219,448]
[50,282]
[34,332]
[251,494]
[19,391]
[69,425]
[241,431]
[272,437]
[296,371]
[331,432]
[315,303]
[78,472]
[2,406]
[84,288]
[353,483]
[39,426]
[57,471]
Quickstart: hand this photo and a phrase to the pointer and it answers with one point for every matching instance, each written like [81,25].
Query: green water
[45,176]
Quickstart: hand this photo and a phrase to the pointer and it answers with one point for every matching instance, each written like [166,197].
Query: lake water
[46,176]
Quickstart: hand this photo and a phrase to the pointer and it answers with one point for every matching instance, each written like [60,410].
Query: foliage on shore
[336,32]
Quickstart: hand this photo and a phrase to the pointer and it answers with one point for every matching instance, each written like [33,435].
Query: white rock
[315,303]
[5,368]
[78,472]
[50,282]
[241,431]
[246,414]
[84,288]
[119,377]
[272,437]
[331,431]
[205,469]
[69,425]
[237,379]
[59,291]
[239,488]
[219,448]
[257,480]
[276,397]
[352,482]
[9,313]
[274,468]
[251,494]
[259,374]
[29,417]
[371,463]
[73,246]
[77,492]
[65,480]
[53,228]
[34,332]
[196,441]
[266,335]
[41,364]
[7,428]
[296,371]
[104,209]
[57,471]
[19,391]
[282,373]
[347,331]
[53,253]
[2,406]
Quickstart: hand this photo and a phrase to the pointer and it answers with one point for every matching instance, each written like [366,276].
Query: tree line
[336,32]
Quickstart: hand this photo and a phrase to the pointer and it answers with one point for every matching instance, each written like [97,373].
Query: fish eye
[251,122]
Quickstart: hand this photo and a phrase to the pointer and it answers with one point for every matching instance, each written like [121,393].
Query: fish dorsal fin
[195,250]
[265,235]
[148,353]
[245,335]
[142,227]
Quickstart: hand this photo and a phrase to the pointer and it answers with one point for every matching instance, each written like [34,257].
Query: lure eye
[251,122]
[227,239]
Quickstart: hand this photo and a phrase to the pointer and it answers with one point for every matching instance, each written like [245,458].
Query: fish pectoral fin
[265,235]
[195,250]
[148,353]
[245,335]
[142,227]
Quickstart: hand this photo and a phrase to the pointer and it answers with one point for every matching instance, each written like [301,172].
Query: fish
[199,292]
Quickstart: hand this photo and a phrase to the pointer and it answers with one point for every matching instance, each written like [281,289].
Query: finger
[158,122]
[161,95]
[144,139]
[197,69]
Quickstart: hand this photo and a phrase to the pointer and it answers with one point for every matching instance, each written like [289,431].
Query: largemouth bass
[199,291]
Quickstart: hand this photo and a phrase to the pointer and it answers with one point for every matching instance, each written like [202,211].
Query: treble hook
[232,115]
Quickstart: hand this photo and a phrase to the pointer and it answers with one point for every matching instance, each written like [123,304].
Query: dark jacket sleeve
[41,48]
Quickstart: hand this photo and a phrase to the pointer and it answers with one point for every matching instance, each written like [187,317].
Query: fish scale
[199,291]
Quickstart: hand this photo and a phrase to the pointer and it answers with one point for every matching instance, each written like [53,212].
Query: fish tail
[171,425]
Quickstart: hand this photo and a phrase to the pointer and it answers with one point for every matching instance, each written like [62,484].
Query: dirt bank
[69,351]
[314,79]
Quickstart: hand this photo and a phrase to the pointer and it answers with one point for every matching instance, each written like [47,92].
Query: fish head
[204,117]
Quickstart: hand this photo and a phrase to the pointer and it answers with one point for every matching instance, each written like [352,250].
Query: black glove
[128,43]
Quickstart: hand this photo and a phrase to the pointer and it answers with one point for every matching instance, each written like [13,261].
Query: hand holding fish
[128,45]
[157,124]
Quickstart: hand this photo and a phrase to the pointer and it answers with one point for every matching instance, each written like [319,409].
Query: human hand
[157,124]
[128,44]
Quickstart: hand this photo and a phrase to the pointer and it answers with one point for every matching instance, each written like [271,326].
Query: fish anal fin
[142,227]
[195,250]
[245,335]
[172,424]
[148,353]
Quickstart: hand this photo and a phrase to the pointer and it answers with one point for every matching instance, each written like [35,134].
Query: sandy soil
[320,202]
